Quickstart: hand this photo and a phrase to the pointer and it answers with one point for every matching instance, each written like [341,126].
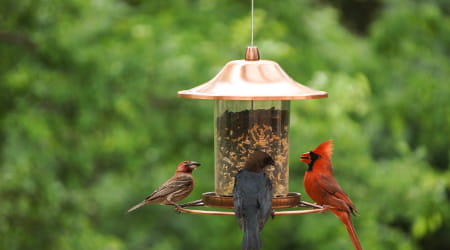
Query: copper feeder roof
[252,79]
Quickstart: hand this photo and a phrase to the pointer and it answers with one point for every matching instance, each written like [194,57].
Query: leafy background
[90,122]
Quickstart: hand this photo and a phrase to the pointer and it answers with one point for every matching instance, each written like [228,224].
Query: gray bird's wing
[237,200]
[265,202]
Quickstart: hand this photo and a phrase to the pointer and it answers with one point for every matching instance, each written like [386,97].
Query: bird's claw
[308,204]
[272,214]
[177,208]
[325,208]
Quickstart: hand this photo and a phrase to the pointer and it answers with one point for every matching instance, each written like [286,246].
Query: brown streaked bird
[322,187]
[178,187]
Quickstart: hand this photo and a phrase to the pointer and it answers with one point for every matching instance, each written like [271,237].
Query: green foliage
[90,122]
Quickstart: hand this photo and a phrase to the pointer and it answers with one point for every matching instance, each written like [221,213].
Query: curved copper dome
[252,79]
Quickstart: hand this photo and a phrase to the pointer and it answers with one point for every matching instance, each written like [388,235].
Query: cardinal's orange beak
[305,157]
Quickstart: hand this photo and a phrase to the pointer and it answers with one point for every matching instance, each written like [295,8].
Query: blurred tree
[357,15]
[90,121]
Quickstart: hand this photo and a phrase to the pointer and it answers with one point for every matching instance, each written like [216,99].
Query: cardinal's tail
[347,221]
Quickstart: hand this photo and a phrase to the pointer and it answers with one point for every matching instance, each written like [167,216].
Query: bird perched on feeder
[323,188]
[252,197]
[174,189]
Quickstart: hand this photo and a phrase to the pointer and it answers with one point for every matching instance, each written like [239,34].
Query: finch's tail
[137,206]
[251,240]
[345,218]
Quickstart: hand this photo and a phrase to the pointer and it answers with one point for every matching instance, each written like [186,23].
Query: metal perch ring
[314,209]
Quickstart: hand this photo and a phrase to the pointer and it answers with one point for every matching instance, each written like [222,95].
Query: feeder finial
[252,53]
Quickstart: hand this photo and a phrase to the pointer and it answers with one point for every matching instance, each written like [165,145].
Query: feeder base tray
[199,203]
[212,200]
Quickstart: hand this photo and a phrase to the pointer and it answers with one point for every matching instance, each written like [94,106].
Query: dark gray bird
[252,196]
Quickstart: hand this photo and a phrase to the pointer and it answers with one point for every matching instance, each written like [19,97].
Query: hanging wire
[252,22]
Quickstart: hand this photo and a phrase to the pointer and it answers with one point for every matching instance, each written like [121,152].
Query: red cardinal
[174,189]
[324,190]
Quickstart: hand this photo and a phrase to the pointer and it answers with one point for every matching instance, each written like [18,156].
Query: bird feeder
[252,102]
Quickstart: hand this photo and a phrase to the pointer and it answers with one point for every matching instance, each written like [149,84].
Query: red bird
[321,186]
[174,189]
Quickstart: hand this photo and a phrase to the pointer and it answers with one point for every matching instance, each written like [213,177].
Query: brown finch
[174,189]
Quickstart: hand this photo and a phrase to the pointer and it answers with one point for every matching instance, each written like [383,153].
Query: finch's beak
[194,164]
[305,157]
